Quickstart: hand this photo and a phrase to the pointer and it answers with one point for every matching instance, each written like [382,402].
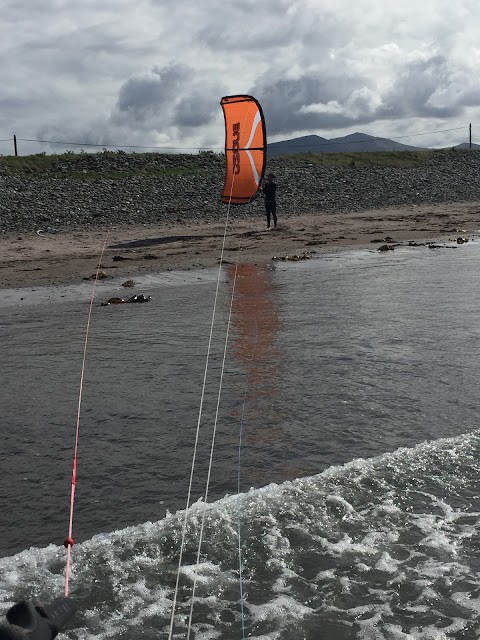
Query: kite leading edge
[245,148]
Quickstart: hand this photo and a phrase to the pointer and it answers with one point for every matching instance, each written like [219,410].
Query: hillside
[353,143]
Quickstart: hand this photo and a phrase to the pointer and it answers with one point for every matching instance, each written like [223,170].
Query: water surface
[357,359]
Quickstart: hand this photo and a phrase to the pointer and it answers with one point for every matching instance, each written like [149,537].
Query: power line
[165,148]
[426,133]
[116,146]
[328,142]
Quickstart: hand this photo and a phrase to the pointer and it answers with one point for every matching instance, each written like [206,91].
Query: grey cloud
[170,103]
[424,88]
[471,97]
[270,27]
[284,101]
[196,110]
[77,70]
[145,96]
[172,96]
[414,87]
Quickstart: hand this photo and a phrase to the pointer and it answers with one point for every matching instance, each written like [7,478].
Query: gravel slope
[45,200]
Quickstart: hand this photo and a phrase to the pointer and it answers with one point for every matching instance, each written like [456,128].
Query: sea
[280,451]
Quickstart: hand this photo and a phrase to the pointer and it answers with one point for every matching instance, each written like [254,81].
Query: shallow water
[349,356]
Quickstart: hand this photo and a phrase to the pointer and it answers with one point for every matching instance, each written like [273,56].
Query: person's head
[270,177]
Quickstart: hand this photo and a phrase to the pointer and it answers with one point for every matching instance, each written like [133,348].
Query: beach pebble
[185,189]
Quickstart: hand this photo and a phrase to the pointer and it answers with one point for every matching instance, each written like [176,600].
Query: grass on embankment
[67,165]
[400,159]
[57,166]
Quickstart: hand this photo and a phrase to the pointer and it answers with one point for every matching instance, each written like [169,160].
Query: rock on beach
[80,192]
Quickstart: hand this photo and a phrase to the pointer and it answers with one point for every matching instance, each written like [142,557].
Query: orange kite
[245,148]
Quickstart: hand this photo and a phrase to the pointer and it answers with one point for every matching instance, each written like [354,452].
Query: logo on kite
[235,148]
[245,148]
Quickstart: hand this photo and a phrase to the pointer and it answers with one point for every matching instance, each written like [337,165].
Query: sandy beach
[44,258]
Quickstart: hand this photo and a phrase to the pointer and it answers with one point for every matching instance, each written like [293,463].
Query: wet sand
[37,259]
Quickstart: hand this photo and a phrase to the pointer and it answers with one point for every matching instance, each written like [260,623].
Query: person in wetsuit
[269,190]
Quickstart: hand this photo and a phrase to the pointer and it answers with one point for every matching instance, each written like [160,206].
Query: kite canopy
[245,148]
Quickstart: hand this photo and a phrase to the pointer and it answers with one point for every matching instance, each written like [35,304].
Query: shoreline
[30,259]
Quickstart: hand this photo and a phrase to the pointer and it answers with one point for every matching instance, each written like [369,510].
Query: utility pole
[470,130]
[15,144]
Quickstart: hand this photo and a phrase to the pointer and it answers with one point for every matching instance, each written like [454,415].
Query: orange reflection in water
[254,343]
[254,326]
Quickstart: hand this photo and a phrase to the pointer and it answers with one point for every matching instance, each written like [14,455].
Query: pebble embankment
[85,191]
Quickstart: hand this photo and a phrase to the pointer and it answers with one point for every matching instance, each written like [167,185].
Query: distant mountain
[466,145]
[346,144]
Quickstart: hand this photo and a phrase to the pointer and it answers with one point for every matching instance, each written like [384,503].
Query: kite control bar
[26,621]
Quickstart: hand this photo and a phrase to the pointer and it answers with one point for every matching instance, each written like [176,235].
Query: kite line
[69,542]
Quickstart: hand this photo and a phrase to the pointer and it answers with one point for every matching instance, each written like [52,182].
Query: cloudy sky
[152,72]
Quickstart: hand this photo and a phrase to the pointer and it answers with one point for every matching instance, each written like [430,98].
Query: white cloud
[153,72]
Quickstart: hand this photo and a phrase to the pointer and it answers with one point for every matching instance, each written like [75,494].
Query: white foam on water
[364,545]
[387,564]
[281,610]
[466,600]
[204,573]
